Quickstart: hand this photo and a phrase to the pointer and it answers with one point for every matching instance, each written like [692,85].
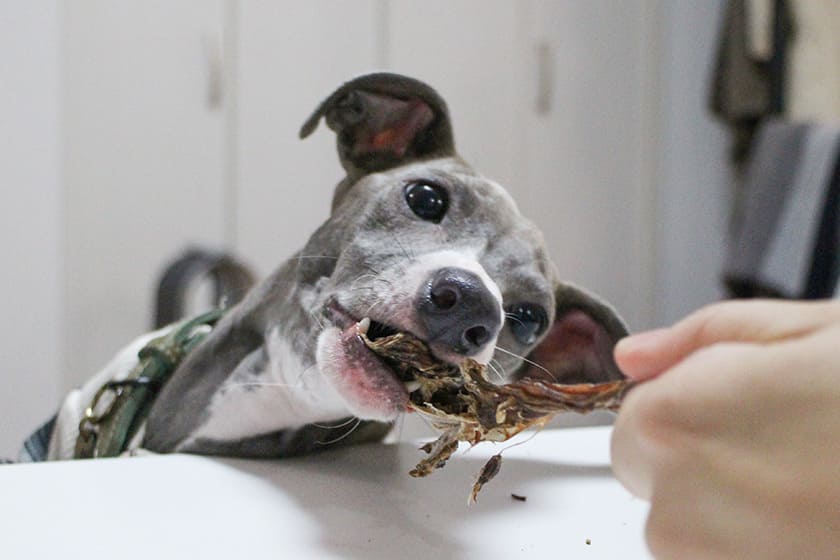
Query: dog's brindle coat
[453,263]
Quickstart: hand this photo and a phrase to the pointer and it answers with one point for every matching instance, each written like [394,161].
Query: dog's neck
[274,391]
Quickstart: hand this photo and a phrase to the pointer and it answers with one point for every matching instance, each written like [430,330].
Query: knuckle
[655,537]
[662,541]
[653,411]
[711,321]
[667,417]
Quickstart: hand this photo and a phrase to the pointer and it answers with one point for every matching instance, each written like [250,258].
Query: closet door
[471,52]
[290,56]
[553,100]
[143,159]
[589,144]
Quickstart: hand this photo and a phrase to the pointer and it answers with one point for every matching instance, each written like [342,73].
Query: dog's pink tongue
[366,381]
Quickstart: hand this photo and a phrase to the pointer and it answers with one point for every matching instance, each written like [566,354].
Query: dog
[417,241]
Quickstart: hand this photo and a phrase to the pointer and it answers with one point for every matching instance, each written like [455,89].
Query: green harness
[119,408]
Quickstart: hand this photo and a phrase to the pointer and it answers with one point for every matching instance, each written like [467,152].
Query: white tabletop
[346,503]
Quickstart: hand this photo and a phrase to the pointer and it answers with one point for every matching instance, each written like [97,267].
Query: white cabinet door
[143,161]
[588,157]
[290,56]
[471,52]
[549,98]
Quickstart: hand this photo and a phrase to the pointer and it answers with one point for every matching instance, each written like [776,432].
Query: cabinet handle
[211,45]
[545,78]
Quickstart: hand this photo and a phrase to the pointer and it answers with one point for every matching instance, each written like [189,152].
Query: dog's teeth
[412,386]
[363,325]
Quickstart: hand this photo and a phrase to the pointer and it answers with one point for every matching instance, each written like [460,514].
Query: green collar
[119,408]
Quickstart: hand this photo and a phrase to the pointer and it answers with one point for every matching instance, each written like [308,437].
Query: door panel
[143,159]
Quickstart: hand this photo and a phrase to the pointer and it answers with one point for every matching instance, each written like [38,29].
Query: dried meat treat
[464,405]
[488,471]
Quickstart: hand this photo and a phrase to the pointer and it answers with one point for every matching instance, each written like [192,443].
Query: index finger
[648,354]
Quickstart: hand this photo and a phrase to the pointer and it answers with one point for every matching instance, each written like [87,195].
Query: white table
[346,503]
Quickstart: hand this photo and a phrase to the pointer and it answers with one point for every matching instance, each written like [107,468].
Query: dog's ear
[383,120]
[579,345]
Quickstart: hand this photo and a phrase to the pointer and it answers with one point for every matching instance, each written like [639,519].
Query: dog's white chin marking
[482,357]
[369,389]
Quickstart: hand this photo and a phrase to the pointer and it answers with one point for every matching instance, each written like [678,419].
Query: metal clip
[117,387]
[90,412]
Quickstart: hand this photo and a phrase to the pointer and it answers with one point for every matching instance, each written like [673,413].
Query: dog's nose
[458,311]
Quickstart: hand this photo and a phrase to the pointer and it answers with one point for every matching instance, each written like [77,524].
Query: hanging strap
[120,407]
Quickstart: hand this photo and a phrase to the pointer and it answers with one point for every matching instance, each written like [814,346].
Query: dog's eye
[427,201]
[527,321]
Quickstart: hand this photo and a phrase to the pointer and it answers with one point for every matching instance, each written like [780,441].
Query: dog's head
[419,242]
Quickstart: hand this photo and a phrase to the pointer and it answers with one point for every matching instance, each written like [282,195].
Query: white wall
[694,179]
[30,199]
[283,184]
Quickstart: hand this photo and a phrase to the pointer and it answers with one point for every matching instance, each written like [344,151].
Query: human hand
[735,436]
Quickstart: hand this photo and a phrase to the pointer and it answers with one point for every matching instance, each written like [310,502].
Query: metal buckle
[118,388]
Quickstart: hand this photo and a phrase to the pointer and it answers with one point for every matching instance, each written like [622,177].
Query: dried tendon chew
[465,406]
[488,471]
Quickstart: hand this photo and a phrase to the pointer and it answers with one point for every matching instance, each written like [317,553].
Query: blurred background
[130,131]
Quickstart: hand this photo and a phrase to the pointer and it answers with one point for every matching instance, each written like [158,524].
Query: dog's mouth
[377,330]
[369,387]
[344,320]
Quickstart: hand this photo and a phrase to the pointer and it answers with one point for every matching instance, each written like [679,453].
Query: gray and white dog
[417,241]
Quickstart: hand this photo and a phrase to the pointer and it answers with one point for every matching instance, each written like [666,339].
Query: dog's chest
[271,389]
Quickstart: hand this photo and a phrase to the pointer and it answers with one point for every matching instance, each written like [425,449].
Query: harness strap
[120,407]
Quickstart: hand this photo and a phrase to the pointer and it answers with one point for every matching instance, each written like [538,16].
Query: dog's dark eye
[428,201]
[527,321]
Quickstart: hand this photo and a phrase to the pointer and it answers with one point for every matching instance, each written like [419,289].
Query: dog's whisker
[499,365]
[345,423]
[524,359]
[366,289]
[408,255]
[342,436]
[397,431]
[526,440]
[353,284]
[427,422]
[317,318]
[495,369]
[373,306]
[372,285]
[304,372]
[500,378]
[370,267]
[383,280]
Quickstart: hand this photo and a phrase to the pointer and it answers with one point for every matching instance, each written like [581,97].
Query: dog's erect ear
[579,345]
[384,120]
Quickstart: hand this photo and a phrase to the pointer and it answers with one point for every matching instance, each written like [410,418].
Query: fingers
[648,354]
[672,419]
[730,449]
